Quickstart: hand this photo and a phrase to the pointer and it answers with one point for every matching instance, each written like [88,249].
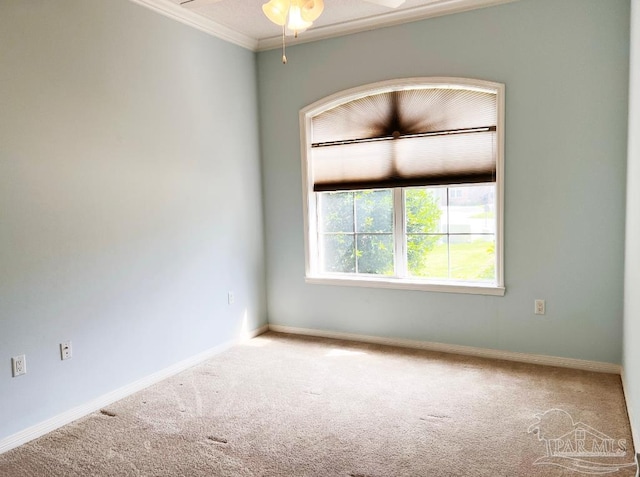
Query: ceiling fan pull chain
[284,55]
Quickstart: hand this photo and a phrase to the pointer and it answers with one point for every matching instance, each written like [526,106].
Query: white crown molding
[188,17]
[544,360]
[437,9]
[51,424]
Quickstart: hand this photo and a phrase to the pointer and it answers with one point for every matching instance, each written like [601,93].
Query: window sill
[406,284]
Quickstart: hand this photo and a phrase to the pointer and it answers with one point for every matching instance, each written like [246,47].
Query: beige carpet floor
[281,405]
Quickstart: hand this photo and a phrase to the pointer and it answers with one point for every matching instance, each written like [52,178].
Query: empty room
[224,254]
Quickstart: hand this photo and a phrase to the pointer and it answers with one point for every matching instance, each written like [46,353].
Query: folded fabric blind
[417,137]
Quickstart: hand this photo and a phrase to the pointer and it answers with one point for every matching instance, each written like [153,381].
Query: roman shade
[410,137]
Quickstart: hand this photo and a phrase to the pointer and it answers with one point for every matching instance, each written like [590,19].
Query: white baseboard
[572,363]
[75,413]
[630,414]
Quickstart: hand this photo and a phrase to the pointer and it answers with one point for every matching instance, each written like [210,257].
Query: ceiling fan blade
[195,4]
[387,3]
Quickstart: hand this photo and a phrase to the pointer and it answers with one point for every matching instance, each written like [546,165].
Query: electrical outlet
[231,298]
[19,365]
[539,307]
[65,350]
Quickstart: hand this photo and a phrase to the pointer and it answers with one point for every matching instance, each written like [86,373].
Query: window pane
[472,209]
[374,211]
[375,254]
[338,253]
[473,257]
[336,212]
[428,256]
[426,210]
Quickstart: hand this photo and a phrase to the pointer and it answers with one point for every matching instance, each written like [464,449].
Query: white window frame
[312,272]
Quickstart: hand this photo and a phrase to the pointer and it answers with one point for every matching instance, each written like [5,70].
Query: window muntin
[462,252]
[448,233]
[356,232]
[457,241]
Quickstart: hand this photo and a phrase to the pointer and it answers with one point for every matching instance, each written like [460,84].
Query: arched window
[403,185]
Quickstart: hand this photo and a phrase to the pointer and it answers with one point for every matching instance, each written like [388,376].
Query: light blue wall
[565,66]
[130,189]
[130,199]
[631,359]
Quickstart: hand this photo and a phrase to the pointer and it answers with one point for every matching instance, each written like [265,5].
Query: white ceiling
[242,21]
